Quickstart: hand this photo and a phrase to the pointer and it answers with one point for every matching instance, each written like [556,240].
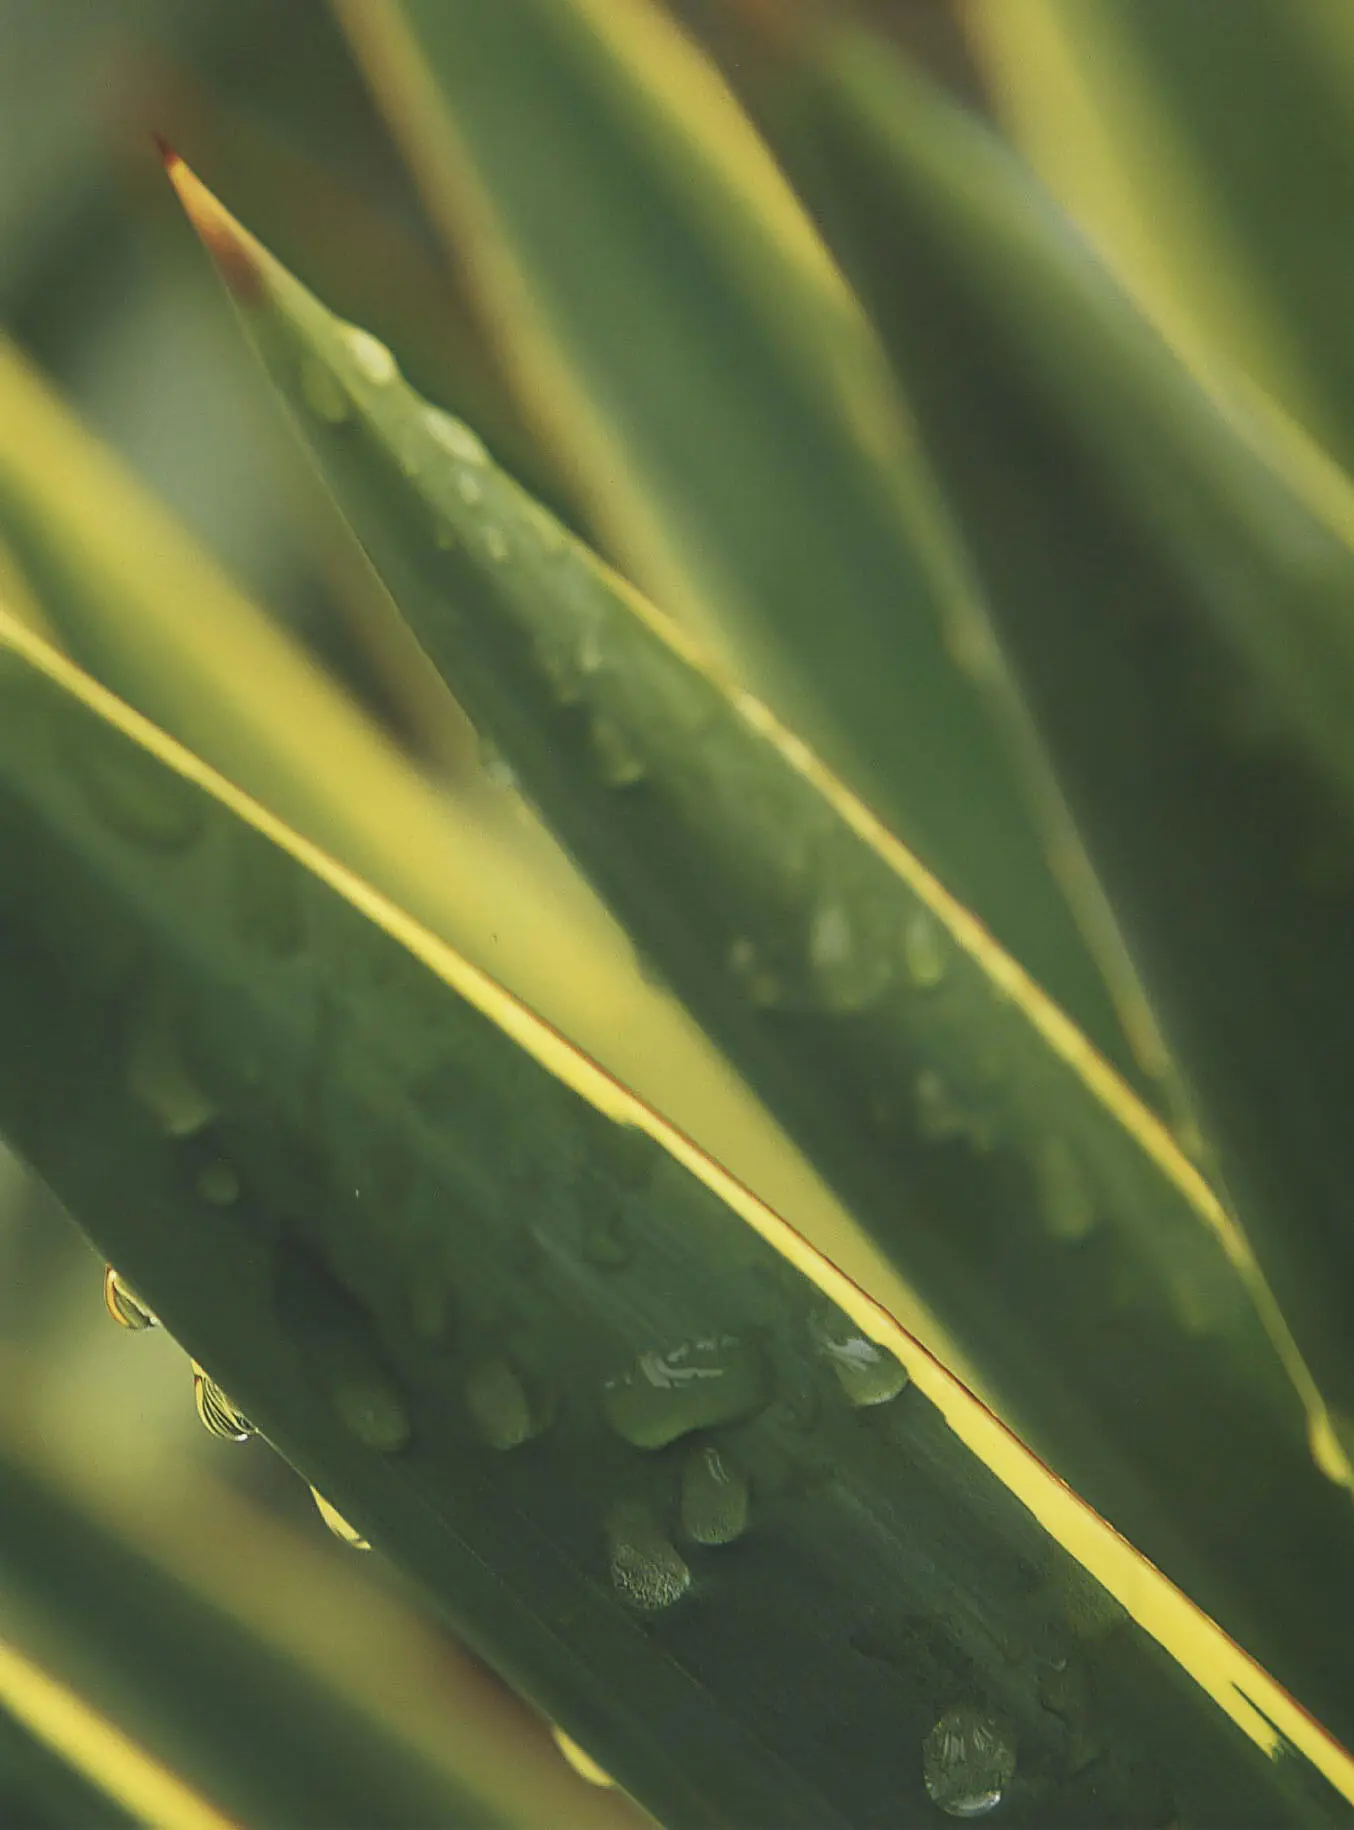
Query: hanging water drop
[124,1305]
[500,1405]
[323,392]
[967,1762]
[848,972]
[582,1763]
[715,1497]
[925,950]
[454,436]
[369,356]
[701,1383]
[618,761]
[349,1534]
[866,1372]
[219,1414]
[1065,1196]
[646,1568]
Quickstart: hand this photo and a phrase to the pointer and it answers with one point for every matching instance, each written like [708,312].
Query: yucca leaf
[422,1243]
[184,1679]
[1178,617]
[1047,1219]
[691,354]
[1203,147]
[63,1765]
[139,604]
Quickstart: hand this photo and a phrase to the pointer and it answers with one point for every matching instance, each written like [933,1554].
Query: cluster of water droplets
[968,1761]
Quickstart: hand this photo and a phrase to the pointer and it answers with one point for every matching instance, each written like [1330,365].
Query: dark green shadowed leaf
[416,1195]
[1046,1218]
[695,361]
[1179,619]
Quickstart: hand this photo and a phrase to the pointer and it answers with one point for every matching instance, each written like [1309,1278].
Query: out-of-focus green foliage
[270,962]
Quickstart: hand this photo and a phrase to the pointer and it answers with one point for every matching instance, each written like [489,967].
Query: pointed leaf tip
[233,248]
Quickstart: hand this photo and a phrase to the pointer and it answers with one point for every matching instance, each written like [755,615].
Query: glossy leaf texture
[1204,148]
[690,354]
[490,1306]
[1177,613]
[1047,1219]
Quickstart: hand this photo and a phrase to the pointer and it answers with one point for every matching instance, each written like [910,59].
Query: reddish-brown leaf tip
[237,255]
[168,157]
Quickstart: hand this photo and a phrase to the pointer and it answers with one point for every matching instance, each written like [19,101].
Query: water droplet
[337,1523]
[136,794]
[847,974]
[323,392]
[495,543]
[647,1569]
[939,1115]
[218,1413]
[454,436]
[763,987]
[967,1762]
[607,1238]
[372,1408]
[369,356]
[867,1373]
[618,761]
[714,1497]
[469,488]
[157,1075]
[1065,1194]
[218,1183]
[500,1405]
[712,1380]
[582,1763]
[925,950]
[124,1305]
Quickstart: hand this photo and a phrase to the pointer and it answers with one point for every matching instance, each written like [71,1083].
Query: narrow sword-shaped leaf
[1179,618]
[693,357]
[139,604]
[409,1296]
[1204,148]
[1049,1221]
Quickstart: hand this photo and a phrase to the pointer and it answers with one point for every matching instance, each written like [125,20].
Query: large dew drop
[866,1372]
[158,1076]
[848,972]
[967,1762]
[925,950]
[646,1568]
[219,1414]
[124,1305]
[714,1497]
[1066,1199]
[582,1762]
[454,436]
[369,356]
[334,1519]
[501,1407]
[712,1380]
